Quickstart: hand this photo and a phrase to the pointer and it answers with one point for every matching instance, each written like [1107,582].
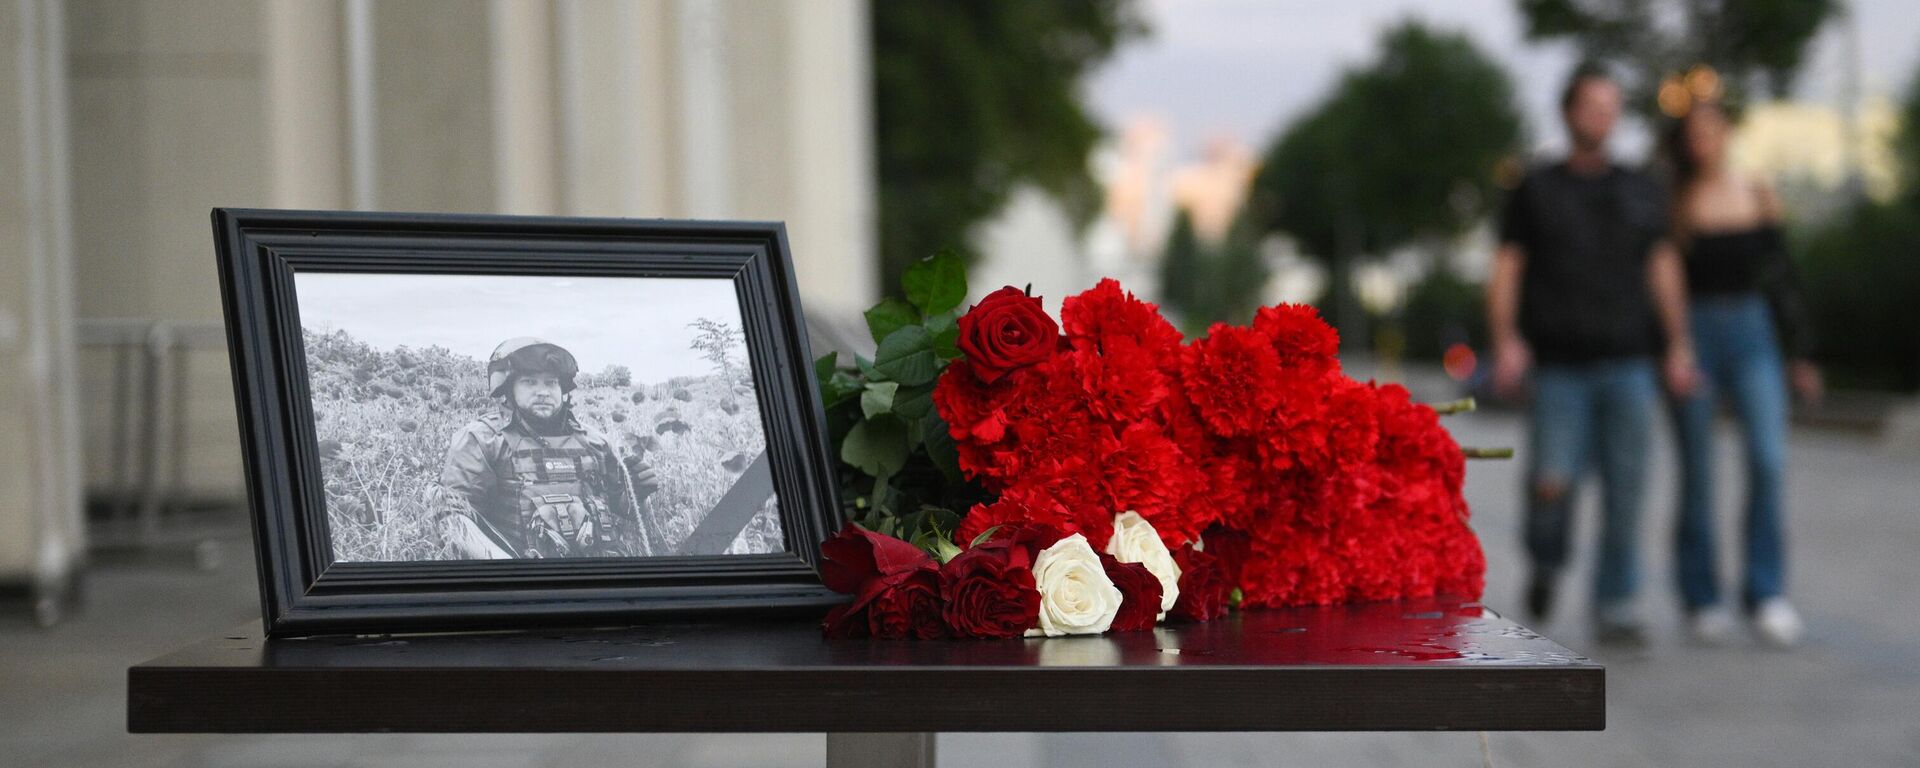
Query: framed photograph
[487,422]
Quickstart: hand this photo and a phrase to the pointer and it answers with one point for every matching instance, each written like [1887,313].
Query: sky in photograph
[637,322]
[1244,68]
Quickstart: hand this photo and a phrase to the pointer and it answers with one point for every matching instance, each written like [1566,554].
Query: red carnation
[1204,589]
[1104,314]
[1232,376]
[1006,330]
[1017,505]
[864,564]
[910,608]
[1303,339]
[1139,594]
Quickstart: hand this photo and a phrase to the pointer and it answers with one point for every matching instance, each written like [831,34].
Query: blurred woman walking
[1747,318]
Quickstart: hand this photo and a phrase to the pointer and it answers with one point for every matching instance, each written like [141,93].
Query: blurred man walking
[1586,293]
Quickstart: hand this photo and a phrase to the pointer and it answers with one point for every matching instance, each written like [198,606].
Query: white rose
[1076,597]
[1135,541]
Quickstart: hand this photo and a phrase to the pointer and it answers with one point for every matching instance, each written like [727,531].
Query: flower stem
[1488,453]
[1463,405]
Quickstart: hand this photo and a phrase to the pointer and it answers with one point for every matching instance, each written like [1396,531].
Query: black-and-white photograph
[467,417]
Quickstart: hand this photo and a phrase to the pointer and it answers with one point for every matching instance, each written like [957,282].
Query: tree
[1182,268]
[974,97]
[1860,277]
[1400,151]
[1747,42]
[616,376]
[1906,143]
[717,341]
[1207,283]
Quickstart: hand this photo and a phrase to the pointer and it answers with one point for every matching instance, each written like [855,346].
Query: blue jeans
[1733,338]
[1603,411]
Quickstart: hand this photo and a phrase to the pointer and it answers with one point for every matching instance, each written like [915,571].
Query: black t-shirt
[1586,240]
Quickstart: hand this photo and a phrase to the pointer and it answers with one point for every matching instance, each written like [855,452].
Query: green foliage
[1401,150]
[1749,42]
[1906,144]
[900,470]
[1182,271]
[937,284]
[890,315]
[1861,279]
[973,97]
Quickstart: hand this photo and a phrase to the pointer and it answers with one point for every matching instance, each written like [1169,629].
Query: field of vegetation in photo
[384,418]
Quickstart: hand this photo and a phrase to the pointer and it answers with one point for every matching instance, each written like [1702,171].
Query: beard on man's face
[543,416]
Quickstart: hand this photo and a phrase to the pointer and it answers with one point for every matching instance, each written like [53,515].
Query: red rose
[1204,591]
[988,591]
[864,564]
[1139,594]
[910,608]
[1006,330]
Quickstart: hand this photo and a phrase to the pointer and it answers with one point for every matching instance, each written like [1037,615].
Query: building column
[526,107]
[42,537]
[304,75]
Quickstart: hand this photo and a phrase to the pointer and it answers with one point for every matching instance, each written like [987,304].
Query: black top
[1420,664]
[1586,239]
[1747,261]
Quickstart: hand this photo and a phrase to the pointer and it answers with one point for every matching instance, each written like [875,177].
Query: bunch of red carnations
[1258,469]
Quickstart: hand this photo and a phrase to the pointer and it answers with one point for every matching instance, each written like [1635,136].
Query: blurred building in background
[126,122]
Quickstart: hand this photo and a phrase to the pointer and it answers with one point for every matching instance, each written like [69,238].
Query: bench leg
[879,750]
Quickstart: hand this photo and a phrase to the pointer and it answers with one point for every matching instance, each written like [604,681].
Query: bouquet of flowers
[1104,473]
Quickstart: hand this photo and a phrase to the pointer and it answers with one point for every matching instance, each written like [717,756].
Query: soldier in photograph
[528,480]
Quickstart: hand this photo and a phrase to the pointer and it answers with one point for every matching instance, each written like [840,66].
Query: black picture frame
[304,592]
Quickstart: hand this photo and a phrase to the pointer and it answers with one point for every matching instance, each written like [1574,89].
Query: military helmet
[527,354]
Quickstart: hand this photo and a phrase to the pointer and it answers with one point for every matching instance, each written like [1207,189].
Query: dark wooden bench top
[1424,665]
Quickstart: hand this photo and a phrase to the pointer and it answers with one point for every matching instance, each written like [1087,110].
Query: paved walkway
[1851,696]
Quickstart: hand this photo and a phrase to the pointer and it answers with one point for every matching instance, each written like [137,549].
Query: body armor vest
[560,484]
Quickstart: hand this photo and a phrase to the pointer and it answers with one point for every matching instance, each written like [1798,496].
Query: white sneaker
[1778,623]
[1712,625]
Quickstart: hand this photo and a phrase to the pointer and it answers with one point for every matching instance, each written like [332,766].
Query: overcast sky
[637,322]
[1243,68]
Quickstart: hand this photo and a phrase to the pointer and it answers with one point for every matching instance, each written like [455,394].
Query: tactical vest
[559,483]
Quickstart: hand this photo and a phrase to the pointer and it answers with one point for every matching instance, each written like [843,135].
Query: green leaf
[943,519]
[943,550]
[866,367]
[878,397]
[984,535]
[906,356]
[837,388]
[826,366]
[877,446]
[883,499]
[914,403]
[936,284]
[945,328]
[941,448]
[916,431]
[890,315]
